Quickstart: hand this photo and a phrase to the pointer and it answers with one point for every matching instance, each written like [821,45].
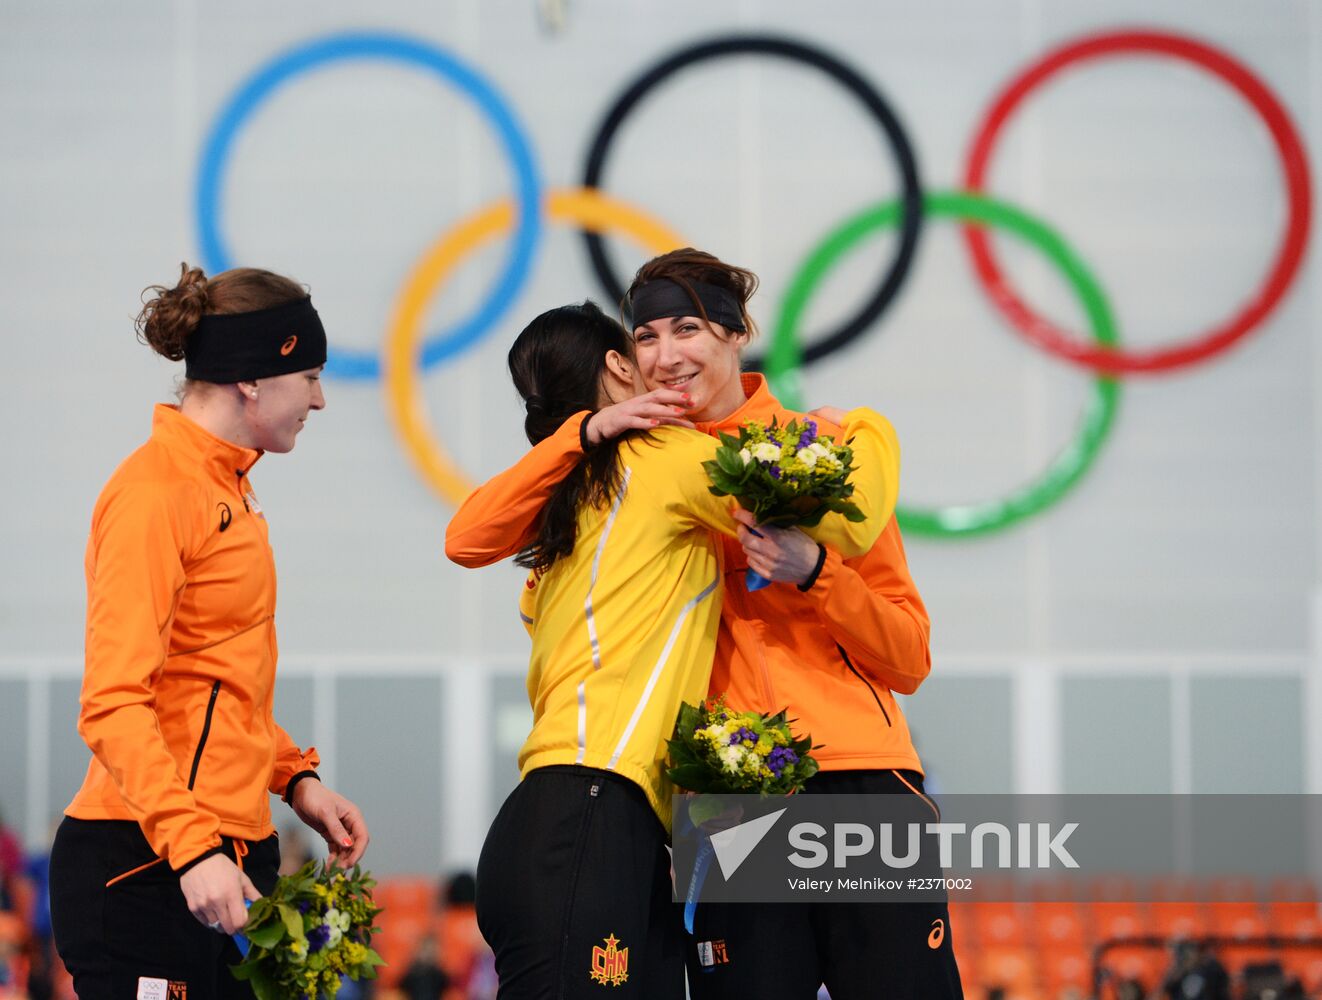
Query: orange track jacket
[180,648]
[832,655]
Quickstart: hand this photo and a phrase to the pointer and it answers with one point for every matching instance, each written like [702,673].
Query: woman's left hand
[338,820]
[784,554]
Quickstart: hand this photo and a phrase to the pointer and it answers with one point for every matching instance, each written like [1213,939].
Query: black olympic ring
[770,45]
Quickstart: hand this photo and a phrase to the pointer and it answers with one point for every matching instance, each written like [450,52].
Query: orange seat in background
[1013,969]
[1000,925]
[1178,919]
[413,896]
[1063,968]
[397,943]
[1306,965]
[1059,926]
[1119,920]
[1147,965]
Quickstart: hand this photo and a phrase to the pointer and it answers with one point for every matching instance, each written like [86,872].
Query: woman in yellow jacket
[171,830]
[623,605]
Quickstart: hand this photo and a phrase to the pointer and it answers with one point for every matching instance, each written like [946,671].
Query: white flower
[338,918]
[820,450]
[732,758]
[745,455]
[335,935]
[807,456]
[765,451]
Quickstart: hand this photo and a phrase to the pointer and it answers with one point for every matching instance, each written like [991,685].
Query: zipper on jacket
[238,486]
[871,689]
[206,730]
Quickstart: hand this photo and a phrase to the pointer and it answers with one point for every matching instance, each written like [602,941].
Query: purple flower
[744,734]
[781,758]
[303,906]
[809,434]
[317,938]
[775,471]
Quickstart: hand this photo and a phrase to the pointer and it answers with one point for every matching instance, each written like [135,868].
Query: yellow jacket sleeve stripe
[656,672]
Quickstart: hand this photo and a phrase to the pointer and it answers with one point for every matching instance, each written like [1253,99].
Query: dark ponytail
[557,364]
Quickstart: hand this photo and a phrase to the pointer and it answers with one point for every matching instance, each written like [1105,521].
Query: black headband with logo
[664,298]
[240,347]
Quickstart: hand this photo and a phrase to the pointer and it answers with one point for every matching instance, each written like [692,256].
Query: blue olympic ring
[374,45]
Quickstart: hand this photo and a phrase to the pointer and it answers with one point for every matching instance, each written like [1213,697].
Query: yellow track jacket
[180,649]
[624,628]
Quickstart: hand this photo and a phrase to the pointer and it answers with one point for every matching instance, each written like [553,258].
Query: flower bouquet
[314,928]
[717,751]
[787,476]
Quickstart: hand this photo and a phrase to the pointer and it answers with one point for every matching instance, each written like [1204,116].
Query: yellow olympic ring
[586,207]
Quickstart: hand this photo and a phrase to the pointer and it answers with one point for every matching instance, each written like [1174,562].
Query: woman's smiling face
[688,354]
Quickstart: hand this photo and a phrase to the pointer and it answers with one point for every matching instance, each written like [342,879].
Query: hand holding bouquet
[312,929]
[787,476]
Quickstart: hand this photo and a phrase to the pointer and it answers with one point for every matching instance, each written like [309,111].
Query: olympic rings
[1070,465]
[595,212]
[1294,165]
[590,209]
[392,48]
[842,74]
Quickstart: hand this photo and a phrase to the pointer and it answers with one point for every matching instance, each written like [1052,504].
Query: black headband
[663,298]
[240,347]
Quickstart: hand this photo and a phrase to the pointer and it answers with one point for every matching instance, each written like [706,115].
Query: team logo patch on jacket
[610,965]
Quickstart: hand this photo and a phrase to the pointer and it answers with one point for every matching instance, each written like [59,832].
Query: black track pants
[574,892]
[896,951]
[130,936]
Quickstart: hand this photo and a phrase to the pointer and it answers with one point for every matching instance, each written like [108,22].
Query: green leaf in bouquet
[706,808]
[682,753]
[688,721]
[293,920]
[268,935]
[261,910]
[264,984]
[723,485]
[690,777]
[730,463]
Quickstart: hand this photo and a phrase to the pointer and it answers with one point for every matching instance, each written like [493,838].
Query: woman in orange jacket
[171,830]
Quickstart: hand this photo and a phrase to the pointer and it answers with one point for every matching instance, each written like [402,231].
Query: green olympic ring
[783,361]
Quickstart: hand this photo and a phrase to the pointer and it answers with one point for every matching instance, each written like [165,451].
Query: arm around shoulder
[499,517]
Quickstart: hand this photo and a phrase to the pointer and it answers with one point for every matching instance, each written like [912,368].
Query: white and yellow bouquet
[313,929]
[715,750]
[788,476]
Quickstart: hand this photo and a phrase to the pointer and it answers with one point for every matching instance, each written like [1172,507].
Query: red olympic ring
[1116,361]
